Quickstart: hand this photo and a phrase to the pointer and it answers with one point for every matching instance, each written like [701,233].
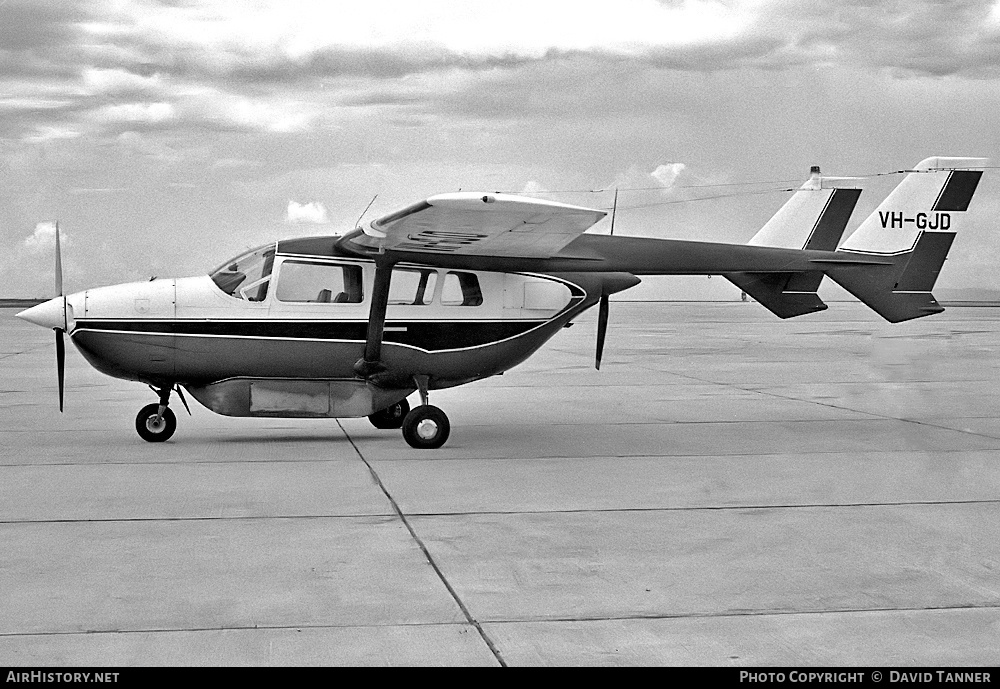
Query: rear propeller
[605,304]
[602,328]
[60,344]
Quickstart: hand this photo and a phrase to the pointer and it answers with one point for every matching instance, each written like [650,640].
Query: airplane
[463,286]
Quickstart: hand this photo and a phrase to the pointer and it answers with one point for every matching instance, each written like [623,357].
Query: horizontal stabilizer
[786,295]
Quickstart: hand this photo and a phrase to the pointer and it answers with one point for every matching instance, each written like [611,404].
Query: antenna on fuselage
[358,223]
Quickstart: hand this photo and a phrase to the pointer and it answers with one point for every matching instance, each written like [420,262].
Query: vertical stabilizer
[813,218]
[932,198]
[912,230]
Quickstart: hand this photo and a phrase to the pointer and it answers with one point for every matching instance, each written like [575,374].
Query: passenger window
[320,283]
[461,289]
[412,287]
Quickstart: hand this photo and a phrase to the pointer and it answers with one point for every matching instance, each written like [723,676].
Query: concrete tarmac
[730,489]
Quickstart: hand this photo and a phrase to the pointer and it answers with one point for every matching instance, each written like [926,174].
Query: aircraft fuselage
[287,344]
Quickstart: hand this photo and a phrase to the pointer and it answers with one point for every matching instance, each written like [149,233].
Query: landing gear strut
[156,422]
[425,427]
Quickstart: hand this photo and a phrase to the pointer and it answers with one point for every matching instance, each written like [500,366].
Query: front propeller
[57,314]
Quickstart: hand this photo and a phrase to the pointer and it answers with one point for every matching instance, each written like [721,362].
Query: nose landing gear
[425,427]
[155,426]
[156,422]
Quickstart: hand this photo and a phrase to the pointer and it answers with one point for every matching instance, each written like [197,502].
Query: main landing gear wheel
[392,416]
[426,427]
[153,429]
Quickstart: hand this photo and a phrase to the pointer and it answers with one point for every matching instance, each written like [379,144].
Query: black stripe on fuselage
[958,190]
[430,336]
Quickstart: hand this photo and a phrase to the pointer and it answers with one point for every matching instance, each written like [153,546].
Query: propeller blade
[60,363]
[60,342]
[602,327]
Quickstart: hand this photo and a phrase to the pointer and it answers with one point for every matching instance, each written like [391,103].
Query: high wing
[474,224]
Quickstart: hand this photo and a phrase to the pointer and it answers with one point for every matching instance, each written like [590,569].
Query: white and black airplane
[464,286]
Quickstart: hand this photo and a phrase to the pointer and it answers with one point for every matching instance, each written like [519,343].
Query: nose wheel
[155,426]
[156,422]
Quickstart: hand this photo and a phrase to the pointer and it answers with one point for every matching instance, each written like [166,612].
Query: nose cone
[48,315]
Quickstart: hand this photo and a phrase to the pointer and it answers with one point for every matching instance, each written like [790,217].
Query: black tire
[426,427]
[392,416]
[147,429]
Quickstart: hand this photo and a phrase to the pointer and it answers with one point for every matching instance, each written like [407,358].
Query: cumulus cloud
[313,213]
[43,239]
[667,174]
[662,178]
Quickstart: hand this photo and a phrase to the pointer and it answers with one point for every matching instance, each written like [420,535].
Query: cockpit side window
[247,276]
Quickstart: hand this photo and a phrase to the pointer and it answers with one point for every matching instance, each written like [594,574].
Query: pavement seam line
[744,613]
[466,513]
[520,620]
[881,416]
[427,553]
[830,405]
[236,628]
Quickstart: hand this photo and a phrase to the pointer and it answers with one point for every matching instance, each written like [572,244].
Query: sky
[166,137]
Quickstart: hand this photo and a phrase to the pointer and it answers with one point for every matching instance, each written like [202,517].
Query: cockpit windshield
[246,276]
